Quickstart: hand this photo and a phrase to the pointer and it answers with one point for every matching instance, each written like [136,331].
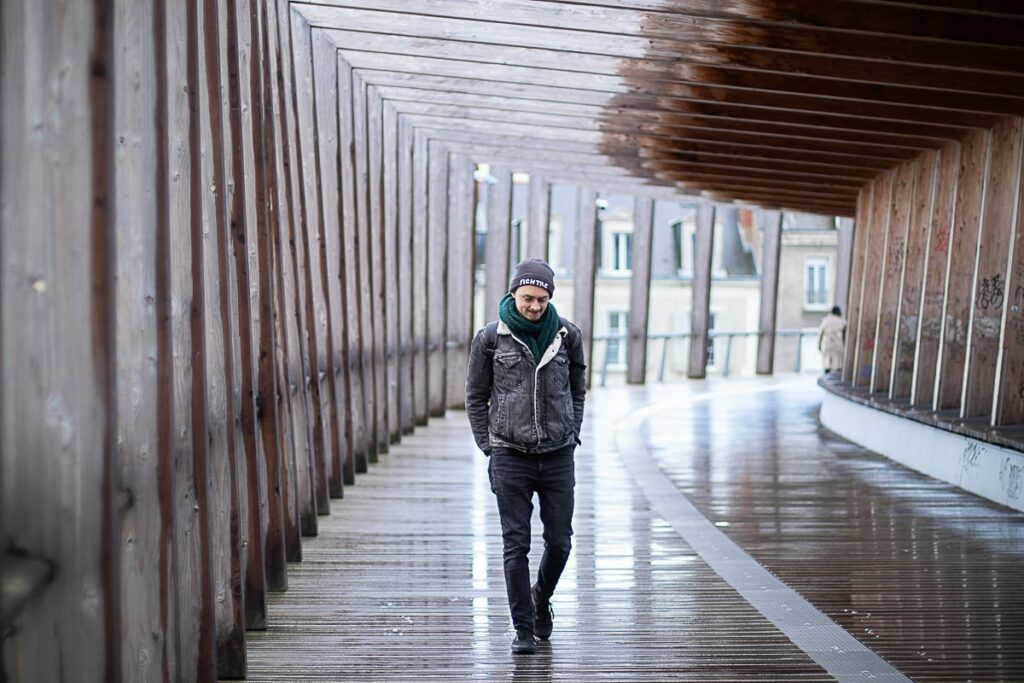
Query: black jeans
[515,476]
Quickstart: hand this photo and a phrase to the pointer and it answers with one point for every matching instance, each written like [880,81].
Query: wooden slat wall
[188,282]
[946,298]
[421,245]
[407,222]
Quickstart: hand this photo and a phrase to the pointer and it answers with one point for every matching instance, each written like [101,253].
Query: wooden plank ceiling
[780,103]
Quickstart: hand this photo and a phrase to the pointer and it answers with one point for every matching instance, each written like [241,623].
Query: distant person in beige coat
[831,339]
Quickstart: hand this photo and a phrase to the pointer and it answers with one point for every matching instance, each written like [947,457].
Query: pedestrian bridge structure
[238,245]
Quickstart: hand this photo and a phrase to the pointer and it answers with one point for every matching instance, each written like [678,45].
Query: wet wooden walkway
[404,581]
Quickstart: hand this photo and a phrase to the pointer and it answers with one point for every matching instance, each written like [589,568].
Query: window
[618,323]
[816,294]
[622,252]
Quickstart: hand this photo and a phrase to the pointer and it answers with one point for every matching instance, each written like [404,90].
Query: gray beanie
[533,271]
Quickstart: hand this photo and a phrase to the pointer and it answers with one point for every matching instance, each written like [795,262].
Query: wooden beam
[1009,406]
[539,217]
[771,251]
[352,243]
[640,290]
[933,297]
[421,243]
[844,256]
[585,271]
[890,285]
[437,275]
[995,240]
[333,267]
[406,222]
[918,234]
[877,240]
[461,210]
[350,92]
[499,238]
[273,421]
[308,263]
[854,301]
[700,306]
[974,154]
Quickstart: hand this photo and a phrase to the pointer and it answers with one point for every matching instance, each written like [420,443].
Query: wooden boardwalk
[404,581]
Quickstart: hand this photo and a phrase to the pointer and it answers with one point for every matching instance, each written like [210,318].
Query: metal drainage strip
[822,639]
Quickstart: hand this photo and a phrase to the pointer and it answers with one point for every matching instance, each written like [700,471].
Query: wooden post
[307,226]
[387,142]
[844,262]
[372,374]
[145,542]
[891,282]
[437,277]
[974,153]
[991,269]
[639,290]
[918,232]
[329,472]
[585,271]
[771,251]
[700,311]
[220,412]
[275,421]
[197,617]
[876,240]
[325,79]
[352,242]
[244,242]
[367,111]
[461,210]
[57,332]
[421,243]
[933,294]
[1009,405]
[406,222]
[299,511]
[862,228]
[539,217]
[499,236]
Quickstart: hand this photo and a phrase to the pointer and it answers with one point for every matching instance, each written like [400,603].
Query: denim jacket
[515,402]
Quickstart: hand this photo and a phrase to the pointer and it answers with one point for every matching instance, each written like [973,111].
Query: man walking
[524,395]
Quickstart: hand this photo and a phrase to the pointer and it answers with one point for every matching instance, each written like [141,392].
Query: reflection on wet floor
[405,579]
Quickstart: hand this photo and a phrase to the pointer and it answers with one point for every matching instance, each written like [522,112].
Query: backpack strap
[491,336]
[572,334]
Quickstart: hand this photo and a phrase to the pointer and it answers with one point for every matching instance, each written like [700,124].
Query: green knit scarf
[536,335]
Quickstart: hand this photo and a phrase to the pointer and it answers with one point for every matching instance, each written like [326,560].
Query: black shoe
[525,643]
[542,619]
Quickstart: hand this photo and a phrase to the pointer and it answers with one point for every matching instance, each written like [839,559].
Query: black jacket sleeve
[478,389]
[577,377]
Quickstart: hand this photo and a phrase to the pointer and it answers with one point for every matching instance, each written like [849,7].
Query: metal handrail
[712,334]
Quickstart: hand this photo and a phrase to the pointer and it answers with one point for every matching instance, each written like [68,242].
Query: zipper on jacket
[536,376]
